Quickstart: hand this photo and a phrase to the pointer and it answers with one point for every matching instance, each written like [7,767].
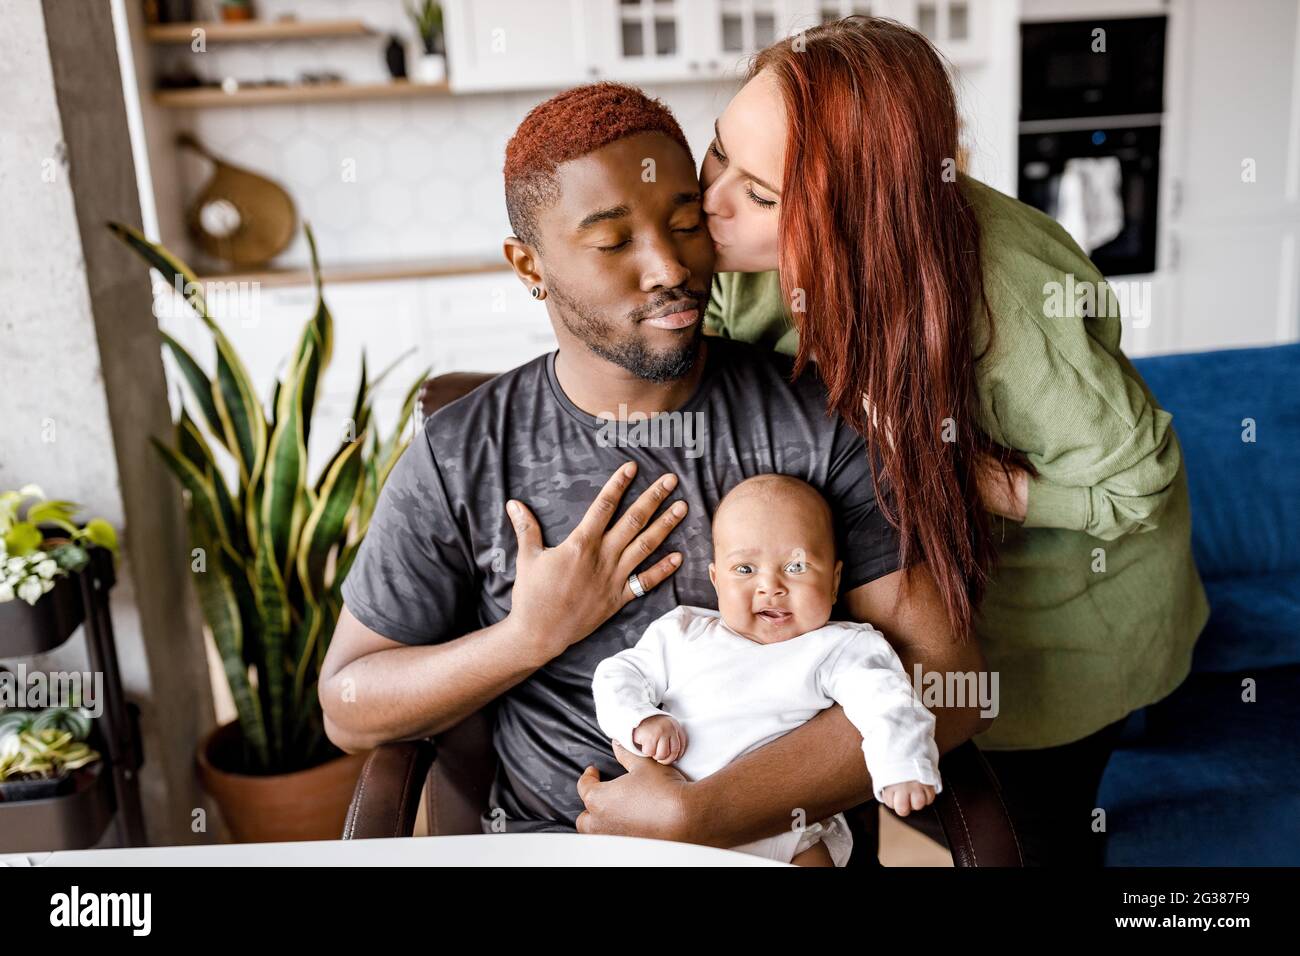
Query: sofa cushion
[1245,495]
[1211,780]
[1254,623]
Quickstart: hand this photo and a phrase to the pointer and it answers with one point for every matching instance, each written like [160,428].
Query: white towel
[1089,203]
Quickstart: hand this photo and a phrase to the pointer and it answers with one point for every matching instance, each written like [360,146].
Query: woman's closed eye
[757,199]
[753,197]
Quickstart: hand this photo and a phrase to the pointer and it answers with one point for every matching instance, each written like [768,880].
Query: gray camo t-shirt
[438,560]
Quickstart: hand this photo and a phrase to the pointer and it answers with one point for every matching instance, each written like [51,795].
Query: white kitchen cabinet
[960,28]
[1231,170]
[547,44]
[657,40]
[649,40]
[483,323]
[516,44]
[386,321]
[640,41]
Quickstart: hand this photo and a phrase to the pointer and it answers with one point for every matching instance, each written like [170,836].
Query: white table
[480,849]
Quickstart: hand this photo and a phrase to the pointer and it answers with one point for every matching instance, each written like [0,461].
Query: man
[454,602]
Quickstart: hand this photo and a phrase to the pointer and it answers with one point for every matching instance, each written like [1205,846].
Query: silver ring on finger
[634,583]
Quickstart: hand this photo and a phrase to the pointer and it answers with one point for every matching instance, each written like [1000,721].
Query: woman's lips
[676,320]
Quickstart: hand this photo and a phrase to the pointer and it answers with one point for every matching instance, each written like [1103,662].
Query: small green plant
[44,744]
[427,17]
[40,542]
[270,553]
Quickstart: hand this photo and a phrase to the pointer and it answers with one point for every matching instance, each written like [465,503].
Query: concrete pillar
[81,375]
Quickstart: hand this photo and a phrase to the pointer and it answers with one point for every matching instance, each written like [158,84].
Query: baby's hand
[903,798]
[660,737]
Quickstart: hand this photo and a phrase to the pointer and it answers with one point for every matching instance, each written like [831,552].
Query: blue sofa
[1202,778]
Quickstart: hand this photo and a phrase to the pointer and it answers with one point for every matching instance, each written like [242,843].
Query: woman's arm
[818,767]
[1060,391]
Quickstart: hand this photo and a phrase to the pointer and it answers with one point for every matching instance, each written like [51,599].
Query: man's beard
[627,350]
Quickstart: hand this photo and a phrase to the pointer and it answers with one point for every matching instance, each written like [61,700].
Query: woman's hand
[562,594]
[1003,493]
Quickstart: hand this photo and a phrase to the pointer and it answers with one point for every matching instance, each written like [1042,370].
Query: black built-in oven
[1092,103]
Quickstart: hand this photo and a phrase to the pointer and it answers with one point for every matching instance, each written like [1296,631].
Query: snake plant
[427,18]
[271,551]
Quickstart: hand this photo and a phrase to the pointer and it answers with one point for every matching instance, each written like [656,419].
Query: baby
[703,687]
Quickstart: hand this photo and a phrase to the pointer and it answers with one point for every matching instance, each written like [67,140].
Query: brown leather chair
[455,769]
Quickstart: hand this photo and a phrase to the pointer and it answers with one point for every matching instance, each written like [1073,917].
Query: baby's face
[774,566]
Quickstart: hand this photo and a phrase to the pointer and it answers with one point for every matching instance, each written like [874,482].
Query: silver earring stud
[536,292]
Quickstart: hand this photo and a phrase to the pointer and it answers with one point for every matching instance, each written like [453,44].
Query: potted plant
[42,550]
[429,64]
[269,556]
[40,543]
[40,750]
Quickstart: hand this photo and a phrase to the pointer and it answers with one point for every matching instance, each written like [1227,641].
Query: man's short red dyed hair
[569,125]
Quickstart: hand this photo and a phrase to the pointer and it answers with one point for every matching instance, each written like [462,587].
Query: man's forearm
[818,767]
[407,693]
[811,768]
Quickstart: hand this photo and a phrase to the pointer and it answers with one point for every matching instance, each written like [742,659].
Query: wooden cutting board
[239,216]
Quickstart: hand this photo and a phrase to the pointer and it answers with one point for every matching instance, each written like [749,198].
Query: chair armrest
[444,389]
[387,797]
[971,811]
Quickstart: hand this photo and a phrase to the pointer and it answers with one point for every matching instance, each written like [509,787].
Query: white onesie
[733,695]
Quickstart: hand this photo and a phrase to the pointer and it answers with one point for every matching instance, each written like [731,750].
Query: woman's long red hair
[880,265]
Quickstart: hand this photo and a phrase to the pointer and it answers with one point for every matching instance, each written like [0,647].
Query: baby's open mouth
[775,614]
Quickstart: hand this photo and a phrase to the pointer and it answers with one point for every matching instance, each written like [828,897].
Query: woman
[1028,465]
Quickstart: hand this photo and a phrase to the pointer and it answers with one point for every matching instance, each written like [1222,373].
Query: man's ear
[524,259]
[835,588]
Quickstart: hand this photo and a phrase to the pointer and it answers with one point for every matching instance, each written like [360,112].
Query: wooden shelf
[251,31]
[211,96]
[271,277]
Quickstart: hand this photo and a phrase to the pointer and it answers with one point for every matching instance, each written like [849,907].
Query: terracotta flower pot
[303,805]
